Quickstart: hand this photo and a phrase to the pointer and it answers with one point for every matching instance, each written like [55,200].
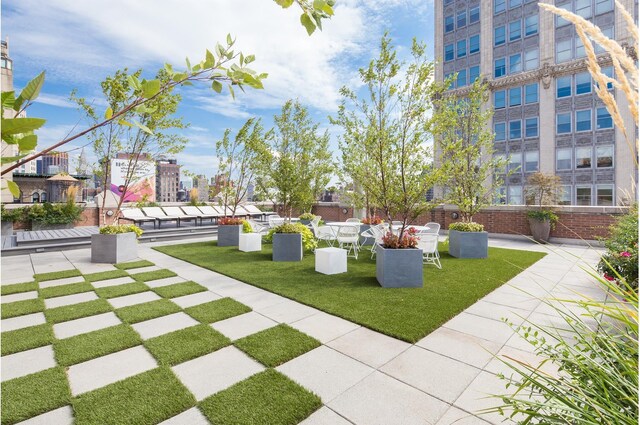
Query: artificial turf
[77,311]
[267,398]
[20,308]
[217,310]
[186,344]
[134,265]
[26,338]
[41,277]
[121,290]
[110,274]
[154,275]
[146,311]
[275,346]
[72,288]
[405,313]
[18,288]
[145,399]
[94,344]
[179,289]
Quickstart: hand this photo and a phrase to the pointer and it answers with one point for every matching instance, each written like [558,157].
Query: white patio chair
[210,211]
[428,243]
[136,216]
[353,220]
[191,210]
[433,227]
[177,212]
[158,214]
[323,233]
[348,237]
[275,220]
[257,227]
[315,220]
[253,210]
[378,232]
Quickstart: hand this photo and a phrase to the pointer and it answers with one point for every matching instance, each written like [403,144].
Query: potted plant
[306,218]
[48,216]
[116,243]
[229,229]
[288,241]
[542,190]
[365,225]
[468,240]
[399,261]
[248,240]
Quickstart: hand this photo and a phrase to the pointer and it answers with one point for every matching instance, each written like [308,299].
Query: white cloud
[55,100]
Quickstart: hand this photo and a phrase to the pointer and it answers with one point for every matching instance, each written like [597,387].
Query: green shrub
[307,216]
[14,215]
[544,215]
[48,213]
[620,262]
[464,226]
[308,240]
[115,229]
[246,227]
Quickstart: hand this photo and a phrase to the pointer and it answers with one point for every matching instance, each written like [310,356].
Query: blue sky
[79,43]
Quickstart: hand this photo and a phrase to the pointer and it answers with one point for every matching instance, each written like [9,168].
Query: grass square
[186,344]
[41,277]
[275,346]
[77,311]
[179,289]
[151,310]
[20,308]
[134,265]
[267,398]
[72,288]
[26,338]
[94,344]
[148,398]
[217,310]
[32,395]
[18,287]
[111,274]
[121,290]
[156,274]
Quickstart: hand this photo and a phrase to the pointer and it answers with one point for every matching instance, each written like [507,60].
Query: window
[499,6]
[531,127]
[563,159]
[448,52]
[449,77]
[474,73]
[461,19]
[461,46]
[583,157]
[583,120]
[43,197]
[531,93]
[563,51]
[515,30]
[462,78]
[514,3]
[607,32]
[500,129]
[515,195]
[515,162]
[531,160]
[583,195]
[583,8]
[35,198]
[604,194]
[499,36]
[580,52]
[583,83]
[561,21]
[563,123]
[474,15]
[565,195]
[448,23]
[603,119]
[531,59]
[501,197]
[603,6]
[604,156]
[474,44]
[531,25]
[515,96]
[499,68]
[515,63]
[515,129]
[563,87]
[499,99]
[501,162]
[608,71]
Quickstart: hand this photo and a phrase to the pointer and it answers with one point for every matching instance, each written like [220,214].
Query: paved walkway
[362,377]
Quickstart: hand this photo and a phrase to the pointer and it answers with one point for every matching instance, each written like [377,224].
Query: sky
[79,43]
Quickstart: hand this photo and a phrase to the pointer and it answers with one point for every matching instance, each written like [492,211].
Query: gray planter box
[540,229]
[305,222]
[399,268]
[468,244]
[365,241]
[40,226]
[7,228]
[114,249]
[287,247]
[229,235]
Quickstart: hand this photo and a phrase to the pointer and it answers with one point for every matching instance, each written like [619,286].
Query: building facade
[53,163]
[547,116]
[167,180]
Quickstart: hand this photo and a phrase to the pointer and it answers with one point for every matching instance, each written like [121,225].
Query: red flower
[625,254]
[609,278]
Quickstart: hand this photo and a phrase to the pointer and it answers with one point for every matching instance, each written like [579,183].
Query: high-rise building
[201,183]
[167,180]
[53,163]
[547,116]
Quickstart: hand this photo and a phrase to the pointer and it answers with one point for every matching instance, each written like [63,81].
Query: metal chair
[257,227]
[433,227]
[428,243]
[353,220]
[323,233]
[349,237]
[275,220]
[378,232]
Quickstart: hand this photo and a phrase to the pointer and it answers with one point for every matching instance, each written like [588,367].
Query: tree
[297,164]
[239,160]
[385,142]
[465,148]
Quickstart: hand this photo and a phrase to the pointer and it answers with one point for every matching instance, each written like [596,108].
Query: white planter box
[331,260]
[250,242]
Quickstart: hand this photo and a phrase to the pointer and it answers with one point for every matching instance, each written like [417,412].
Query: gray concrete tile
[326,372]
[60,416]
[382,400]
[370,347]
[498,312]
[27,362]
[325,416]
[10,277]
[47,262]
[237,289]
[460,417]
[60,282]
[288,311]
[478,394]
[488,329]
[260,299]
[127,300]
[85,325]
[324,327]
[245,324]
[20,322]
[436,375]
[108,369]
[195,299]
[192,416]
[217,371]
[112,282]
[466,348]
[163,325]
[164,282]
[22,296]
[511,355]
[70,299]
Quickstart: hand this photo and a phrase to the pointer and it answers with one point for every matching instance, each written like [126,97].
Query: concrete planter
[114,249]
[7,228]
[287,247]
[305,222]
[250,242]
[540,229]
[468,244]
[40,226]
[229,235]
[399,268]
[365,241]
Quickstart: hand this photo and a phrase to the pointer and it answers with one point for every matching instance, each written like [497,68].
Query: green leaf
[210,60]
[319,4]
[8,99]
[233,94]
[307,23]
[20,125]
[133,81]
[249,58]
[284,3]
[108,113]
[229,40]
[143,127]
[30,92]
[217,86]
[126,123]
[219,49]
[327,9]
[150,88]
[13,188]
[169,68]
[28,143]
[10,159]
[188,64]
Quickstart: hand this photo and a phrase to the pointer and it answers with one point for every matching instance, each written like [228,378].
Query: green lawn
[408,314]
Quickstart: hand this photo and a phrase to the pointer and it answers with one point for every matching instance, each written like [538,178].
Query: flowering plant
[620,262]
[373,220]
[230,221]
[408,240]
